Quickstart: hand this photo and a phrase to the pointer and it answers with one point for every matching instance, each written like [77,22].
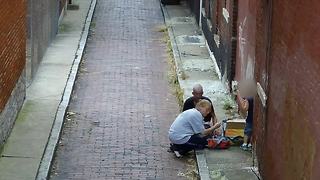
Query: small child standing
[245,107]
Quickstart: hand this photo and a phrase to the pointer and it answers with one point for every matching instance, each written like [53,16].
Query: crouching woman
[187,132]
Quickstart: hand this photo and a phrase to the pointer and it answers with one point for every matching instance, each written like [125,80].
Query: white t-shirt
[185,125]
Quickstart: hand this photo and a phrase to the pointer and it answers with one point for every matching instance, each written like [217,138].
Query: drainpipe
[200,14]
[71,6]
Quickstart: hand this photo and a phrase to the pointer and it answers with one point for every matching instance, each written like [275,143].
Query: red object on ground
[212,143]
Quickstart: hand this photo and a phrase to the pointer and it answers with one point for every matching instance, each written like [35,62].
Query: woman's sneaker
[244,147]
[178,155]
[174,150]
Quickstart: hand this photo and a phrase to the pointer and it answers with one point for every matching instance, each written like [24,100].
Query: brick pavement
[122,100]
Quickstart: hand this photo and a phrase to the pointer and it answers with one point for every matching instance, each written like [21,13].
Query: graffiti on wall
[246,52]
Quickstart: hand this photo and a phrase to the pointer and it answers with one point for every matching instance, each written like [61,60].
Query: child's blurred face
[247,88]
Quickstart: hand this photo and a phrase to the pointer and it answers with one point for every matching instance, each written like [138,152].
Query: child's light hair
[203,103]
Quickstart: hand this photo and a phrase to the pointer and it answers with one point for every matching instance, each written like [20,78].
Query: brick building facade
[12,69]
[219,24]
[276,44]
[26,30]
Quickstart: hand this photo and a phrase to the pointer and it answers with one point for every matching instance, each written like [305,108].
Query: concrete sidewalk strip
[46,95]
[47,158]
[194,59]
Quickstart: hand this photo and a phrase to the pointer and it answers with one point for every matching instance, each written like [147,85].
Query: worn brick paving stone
[122,100]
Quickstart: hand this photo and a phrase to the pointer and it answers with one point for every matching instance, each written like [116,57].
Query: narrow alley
[90,88]
[122,106]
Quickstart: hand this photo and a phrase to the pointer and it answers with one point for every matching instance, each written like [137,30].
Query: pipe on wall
[200,13]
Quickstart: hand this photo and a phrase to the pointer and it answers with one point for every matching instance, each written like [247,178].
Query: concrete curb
[201,161]
[202,165]
[216,67]
[47,158]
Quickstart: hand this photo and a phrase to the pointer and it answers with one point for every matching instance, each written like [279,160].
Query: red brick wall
[223,26]
[261,76]
[294,90]
[206,7]
[291,138]
[227,32]
[214,15]
[12,46]
[282,40]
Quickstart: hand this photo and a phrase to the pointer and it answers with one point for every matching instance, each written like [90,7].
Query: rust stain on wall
[288,130]
[298,143]
[292,137]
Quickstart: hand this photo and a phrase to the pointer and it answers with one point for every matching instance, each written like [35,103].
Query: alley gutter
[47,158]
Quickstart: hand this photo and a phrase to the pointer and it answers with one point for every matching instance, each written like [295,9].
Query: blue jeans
[248,129]
[195,142]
